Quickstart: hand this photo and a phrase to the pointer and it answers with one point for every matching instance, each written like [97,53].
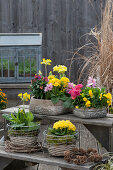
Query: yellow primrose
[24,97]
[109,102]
[100,96]
[56,68]
[85,99]
[108,96]
[88,104]
[76,107]
[46,61]
[55,82]
[65,81]
[64,124]
[60,69]
[20,95]
[90,93]
[51,77]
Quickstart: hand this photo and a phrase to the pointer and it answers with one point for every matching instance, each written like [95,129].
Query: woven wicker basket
[58,144]
[23,136]
[59,150]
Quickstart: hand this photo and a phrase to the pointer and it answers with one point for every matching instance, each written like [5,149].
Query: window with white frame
[20,56]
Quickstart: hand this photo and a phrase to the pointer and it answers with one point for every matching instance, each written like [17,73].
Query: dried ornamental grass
[100,62]
[106,49]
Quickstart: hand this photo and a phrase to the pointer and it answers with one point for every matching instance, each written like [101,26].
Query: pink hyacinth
[91,82]
[48,87]
[76,91]
[69,87]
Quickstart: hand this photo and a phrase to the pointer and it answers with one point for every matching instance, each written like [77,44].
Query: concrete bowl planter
[46,107]
[90,113]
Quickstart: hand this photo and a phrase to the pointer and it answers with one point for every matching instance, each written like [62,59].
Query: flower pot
[46,107]
[23,136]
[90,113]
[56,145]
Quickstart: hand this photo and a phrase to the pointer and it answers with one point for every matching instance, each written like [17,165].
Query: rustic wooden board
[43,158]
[63,24]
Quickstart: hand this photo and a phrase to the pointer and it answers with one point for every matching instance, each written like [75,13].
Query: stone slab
[107,121]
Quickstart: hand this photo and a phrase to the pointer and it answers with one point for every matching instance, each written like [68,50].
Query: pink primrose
[91,82]
[76,91]
[48,87]
[69,87]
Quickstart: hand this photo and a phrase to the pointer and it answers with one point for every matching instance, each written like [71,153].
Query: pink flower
[46,79]
[91,82]
[78,86]
[41,87]
[48,87]
[69,87]
[75,91]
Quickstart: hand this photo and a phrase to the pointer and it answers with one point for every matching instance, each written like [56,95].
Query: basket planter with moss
[91,113]
[46,107]
[23,136]
[22,130]
[61,137]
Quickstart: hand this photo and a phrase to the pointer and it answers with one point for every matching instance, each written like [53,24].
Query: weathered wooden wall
[62,22]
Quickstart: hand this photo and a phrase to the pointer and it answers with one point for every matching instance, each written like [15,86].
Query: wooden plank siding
[62,23]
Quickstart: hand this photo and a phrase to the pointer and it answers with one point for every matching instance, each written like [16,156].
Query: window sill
[15,86]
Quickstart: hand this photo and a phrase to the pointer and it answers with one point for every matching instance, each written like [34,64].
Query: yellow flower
[40,73]
[24,97]
[64,124]
[100,96]
[20,95]
[109,102]
[65,81]
[55,82]
[51,77]
[46,62]
[76,107]
[85,99]
[90,93]
[28,96]
[56,68]
[88,104]
[60,68]
[108,96]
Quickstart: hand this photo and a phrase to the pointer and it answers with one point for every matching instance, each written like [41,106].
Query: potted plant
[107,164]
[50,92]
[91,101]
[22,130]
[3,100]
[61,137]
